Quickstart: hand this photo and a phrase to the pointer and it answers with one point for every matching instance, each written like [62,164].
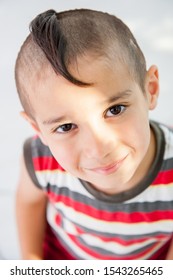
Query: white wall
[152,24]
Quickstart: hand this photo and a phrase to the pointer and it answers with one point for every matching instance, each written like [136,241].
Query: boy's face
[99,133]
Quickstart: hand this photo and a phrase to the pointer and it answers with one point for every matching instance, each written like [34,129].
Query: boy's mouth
[108,169]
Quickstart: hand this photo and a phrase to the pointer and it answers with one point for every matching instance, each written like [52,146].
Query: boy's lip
[108,169]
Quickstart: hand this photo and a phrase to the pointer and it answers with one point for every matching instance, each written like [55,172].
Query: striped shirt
[86,224]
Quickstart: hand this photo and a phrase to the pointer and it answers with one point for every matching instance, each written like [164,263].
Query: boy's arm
[31,216]
[170,252]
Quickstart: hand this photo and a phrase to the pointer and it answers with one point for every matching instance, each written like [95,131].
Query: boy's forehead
[86,67]
[99,72]
[92,69]
[55,96]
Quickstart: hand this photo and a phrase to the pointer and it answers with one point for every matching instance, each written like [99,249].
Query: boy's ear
[34,125]
[152,86]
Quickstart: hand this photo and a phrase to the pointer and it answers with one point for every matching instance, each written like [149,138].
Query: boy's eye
[65,128]
[115,110]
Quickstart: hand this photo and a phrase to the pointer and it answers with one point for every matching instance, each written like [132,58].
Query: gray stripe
[167,165]
[144,207]
[39,149]
[27,152]
[125,237]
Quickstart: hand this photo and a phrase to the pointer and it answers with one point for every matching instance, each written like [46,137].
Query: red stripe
[104,215]
[164,177]
[46,163]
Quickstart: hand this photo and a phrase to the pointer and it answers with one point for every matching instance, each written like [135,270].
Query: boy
[96,182]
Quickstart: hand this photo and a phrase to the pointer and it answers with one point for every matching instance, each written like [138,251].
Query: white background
[152,24]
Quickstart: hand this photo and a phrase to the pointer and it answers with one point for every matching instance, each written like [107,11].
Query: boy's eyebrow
[119,95]
[54,120]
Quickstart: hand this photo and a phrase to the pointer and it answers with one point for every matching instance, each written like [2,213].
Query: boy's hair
[58,39]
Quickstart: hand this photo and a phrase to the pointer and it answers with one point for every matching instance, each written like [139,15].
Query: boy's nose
[98,144]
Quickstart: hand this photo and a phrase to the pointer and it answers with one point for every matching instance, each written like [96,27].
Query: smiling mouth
[109,169]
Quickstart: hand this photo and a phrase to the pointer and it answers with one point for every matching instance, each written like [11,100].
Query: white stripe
[61,179]
[154,193]
[114,227]
[169,142]
[69,227]
[42,178]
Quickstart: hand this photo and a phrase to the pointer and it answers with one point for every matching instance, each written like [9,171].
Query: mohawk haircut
[59,39]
